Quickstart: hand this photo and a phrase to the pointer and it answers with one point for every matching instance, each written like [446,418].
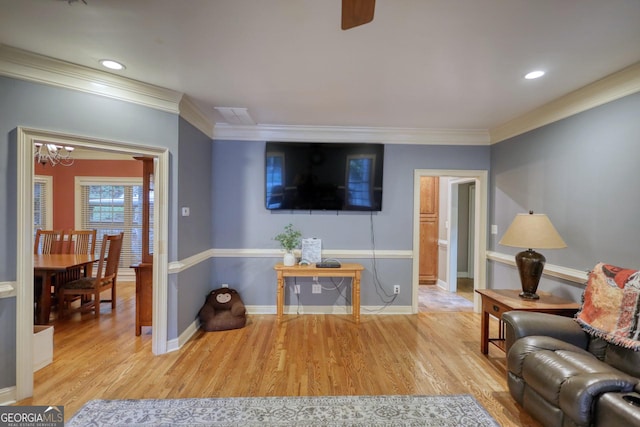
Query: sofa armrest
[532,344]
[520,324]
[579,393]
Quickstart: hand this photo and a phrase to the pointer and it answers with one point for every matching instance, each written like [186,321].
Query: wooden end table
[495,302]
[345,270]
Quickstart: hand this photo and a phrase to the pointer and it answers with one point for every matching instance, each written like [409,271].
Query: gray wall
[463,228]
[240,221]
[194,231]
[55,109]
[583,173]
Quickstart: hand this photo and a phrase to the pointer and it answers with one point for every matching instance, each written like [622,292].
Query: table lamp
[531,231]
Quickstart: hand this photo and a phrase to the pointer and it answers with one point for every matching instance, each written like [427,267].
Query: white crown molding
[390,135]
[191,113]
[29,66]
[558,271]
[615,86]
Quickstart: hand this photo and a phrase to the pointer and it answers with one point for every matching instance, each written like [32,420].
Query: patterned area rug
[369,411]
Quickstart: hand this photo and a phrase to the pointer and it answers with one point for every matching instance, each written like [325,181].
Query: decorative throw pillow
[610,307]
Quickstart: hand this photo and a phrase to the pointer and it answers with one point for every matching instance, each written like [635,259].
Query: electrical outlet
[396,289]
[296,289]
[315,278]
[224,285]
[316,288]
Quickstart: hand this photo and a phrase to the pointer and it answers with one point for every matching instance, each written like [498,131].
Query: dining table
[48,266]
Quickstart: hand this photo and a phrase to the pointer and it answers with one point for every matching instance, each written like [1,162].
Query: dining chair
[79,242]
[92,287]
[48,241]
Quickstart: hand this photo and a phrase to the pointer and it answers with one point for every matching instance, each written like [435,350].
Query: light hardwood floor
[308,355]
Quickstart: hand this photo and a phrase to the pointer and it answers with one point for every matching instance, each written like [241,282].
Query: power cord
[386,299]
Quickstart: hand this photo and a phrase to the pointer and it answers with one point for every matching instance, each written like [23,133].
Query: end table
[495,302]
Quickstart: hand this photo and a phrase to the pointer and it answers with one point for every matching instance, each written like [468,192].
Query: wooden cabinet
[144,270]
[429,208]
[144,295]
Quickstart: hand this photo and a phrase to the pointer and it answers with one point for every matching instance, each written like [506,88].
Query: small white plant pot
[289,259]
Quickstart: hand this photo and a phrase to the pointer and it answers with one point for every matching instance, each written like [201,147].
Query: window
[360,180]
[112,205]
[275,180]
[42,203]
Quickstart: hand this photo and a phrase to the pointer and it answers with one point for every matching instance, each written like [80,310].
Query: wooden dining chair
[92,287]
[79,242]
[48,241]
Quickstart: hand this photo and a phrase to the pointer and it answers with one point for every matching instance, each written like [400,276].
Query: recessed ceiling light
[534,75]
[111,64]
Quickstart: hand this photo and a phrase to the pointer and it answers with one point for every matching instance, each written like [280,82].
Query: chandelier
[53,154]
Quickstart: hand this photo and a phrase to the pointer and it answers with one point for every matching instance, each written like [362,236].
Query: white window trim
[123,273]
[79,181]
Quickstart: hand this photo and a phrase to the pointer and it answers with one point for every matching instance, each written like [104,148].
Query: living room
[573,159]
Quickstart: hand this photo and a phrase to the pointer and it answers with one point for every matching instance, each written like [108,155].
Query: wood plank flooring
[308,355]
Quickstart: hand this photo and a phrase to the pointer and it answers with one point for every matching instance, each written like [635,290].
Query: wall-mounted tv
[323,176]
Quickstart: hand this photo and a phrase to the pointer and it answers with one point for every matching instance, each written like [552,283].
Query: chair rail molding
[7,289]
[186,263]
[560,272]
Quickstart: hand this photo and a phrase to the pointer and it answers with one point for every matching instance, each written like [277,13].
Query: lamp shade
[533,231]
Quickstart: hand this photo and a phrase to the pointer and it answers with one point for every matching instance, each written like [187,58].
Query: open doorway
[24,269]
[460,236]
[448,240]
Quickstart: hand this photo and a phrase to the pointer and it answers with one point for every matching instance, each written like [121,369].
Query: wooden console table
[495,302]
[345,270]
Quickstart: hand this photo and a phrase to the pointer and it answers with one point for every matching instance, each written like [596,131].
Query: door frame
[481,178]
[25,139]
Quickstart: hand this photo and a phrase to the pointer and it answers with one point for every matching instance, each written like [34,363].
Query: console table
[495,302]
[345,270]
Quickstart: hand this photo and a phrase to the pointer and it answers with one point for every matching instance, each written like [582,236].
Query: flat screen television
[323,176]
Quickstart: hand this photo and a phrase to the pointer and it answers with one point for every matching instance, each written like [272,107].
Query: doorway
[478,254]
[460,235]
[24,268]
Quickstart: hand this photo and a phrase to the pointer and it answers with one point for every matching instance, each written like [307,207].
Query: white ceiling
[434,64]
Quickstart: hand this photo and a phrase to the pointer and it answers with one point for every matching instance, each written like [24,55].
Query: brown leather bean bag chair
[223,310]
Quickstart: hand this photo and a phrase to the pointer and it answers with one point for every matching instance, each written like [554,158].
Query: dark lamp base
[530,265]
[528,295]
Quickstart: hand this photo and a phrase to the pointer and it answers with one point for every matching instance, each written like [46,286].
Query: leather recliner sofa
[564,377]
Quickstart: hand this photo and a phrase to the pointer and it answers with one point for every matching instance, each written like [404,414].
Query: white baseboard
[185,336]
[7,396]
[442,285]
[328,309]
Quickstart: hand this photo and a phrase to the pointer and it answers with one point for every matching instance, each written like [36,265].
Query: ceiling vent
[235,116]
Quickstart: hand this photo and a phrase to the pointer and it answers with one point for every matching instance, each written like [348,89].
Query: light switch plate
[185,211]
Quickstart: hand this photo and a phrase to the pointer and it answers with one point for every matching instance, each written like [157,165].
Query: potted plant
[289,240]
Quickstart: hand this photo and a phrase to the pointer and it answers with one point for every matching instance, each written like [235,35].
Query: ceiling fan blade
[357,12]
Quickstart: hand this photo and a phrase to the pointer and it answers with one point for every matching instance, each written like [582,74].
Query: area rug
[369,411]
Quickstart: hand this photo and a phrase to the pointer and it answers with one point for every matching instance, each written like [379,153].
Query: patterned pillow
[610,307]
